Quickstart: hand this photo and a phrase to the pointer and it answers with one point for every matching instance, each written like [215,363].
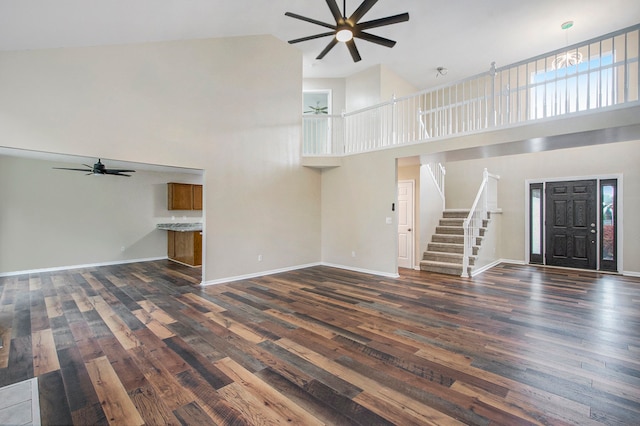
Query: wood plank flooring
[142,344]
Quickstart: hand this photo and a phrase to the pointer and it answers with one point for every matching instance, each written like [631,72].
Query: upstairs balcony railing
[594,75]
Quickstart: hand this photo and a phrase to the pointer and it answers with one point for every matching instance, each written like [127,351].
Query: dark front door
[571,231]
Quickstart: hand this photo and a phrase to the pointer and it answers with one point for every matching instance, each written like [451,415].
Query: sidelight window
[535,230]
[608,225]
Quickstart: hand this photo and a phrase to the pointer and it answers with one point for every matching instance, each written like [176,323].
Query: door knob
[593,231]
[409,230]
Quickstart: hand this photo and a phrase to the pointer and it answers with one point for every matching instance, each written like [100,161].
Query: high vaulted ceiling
[464,36]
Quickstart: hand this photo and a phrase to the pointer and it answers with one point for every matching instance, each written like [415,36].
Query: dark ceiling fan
[346,29]
[99,169]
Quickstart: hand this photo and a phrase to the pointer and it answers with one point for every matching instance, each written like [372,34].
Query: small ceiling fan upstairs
[99,169]
[346,29]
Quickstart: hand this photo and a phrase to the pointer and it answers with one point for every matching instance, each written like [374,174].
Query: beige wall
[363,89]
[373,86]
[228,106]
[356,200]
[393,85]
[57,218]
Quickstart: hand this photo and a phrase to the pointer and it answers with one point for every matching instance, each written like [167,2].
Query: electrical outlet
[122,248]
[353,254]
[259,258]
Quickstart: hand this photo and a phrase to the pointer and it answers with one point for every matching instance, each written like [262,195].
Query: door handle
[409,230]
[593,231]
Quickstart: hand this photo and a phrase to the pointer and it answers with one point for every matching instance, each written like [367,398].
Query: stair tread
[439,262]
[447,254]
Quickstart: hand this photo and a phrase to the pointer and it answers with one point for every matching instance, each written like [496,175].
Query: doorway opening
[574,223]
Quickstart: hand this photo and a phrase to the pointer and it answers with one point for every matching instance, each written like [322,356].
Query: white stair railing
[486,201]
[534,89]
[438,172]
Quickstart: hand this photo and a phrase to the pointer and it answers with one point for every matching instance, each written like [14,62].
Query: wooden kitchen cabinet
[185,247]
[197,197]
[184,196]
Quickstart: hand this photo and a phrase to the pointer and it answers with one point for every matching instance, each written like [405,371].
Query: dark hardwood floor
[142,344]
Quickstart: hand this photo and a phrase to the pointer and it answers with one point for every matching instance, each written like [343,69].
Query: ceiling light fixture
[441,71]
[568,59]
[344,35]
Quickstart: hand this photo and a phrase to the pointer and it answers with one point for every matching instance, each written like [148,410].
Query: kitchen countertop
[180,227]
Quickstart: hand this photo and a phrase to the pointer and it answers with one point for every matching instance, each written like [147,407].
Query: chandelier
[568,59]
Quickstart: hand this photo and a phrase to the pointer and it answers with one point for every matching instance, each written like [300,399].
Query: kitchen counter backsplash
[181,227]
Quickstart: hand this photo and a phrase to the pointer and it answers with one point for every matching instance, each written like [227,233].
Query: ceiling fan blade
[118,171]
[361,10]
[335,11]
[328,48]
[77,170]
[375,39]
[298,40]
[351,45]
[403,17]
[313,21]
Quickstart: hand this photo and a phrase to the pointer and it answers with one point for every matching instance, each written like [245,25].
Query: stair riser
[449,248]
[443,270]
[451,222]
[454,259]
[448,214]
[449,230]
[453,239]
[445,248]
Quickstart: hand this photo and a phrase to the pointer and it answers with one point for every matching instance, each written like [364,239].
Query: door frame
[619,215]
[412,240]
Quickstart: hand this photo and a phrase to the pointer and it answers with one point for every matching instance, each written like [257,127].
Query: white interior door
[405,223]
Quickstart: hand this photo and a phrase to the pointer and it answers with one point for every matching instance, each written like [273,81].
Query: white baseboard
[88,265]
[256,274]
[364,271]
[631,274]
[512,261]
[293,268]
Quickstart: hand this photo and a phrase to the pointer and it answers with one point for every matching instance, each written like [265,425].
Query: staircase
[444,252]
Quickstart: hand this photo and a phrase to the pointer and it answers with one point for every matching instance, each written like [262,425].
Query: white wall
[56,218]
[228,106]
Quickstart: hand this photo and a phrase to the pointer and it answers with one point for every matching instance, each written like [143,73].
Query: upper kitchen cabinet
[197,197]
[184,196]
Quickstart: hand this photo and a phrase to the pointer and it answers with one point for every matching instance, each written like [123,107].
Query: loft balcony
[589,77]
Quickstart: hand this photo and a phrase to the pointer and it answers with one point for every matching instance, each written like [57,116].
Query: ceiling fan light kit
[346,29]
